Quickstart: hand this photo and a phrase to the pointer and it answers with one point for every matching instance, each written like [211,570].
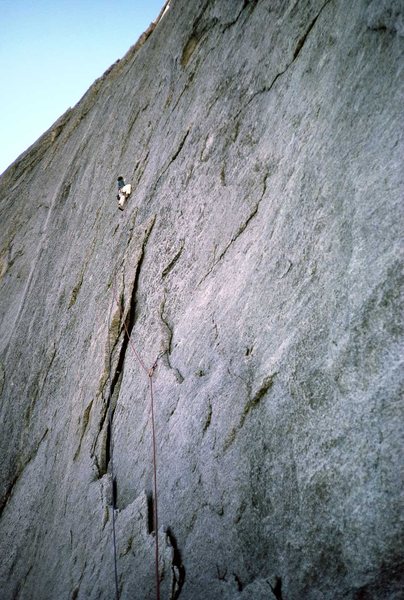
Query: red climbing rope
[135,352]
[149,373]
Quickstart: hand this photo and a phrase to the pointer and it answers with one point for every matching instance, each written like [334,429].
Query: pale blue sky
[51,51]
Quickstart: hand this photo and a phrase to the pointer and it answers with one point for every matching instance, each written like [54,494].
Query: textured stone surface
[258,258]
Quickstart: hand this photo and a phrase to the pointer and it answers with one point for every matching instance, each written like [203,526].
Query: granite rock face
[258,260]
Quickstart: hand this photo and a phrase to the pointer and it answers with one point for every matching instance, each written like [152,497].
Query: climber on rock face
[121,183]
[124,191]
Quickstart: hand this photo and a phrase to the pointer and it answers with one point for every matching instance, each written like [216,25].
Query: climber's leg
[122,200]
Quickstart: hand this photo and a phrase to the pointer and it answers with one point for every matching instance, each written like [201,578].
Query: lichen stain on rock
[75,292]
[189,49]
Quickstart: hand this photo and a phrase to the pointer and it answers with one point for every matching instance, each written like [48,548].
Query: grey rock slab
[257,266]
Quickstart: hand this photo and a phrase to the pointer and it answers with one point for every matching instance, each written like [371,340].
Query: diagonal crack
[167,350]
[177,566]
[239,231]
[127,330]
[173,158]
[299,46]
[256,399]
[173,261]
[127,323]
[10,490]
[277,588]
[252,402]
[250,4]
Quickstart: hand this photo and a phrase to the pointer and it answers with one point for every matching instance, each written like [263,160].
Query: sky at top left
[51,51]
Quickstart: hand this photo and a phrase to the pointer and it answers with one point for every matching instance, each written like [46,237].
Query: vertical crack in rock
[84,425]
[198,32]
[102,462]
[150,513]
[239,582]
[167,343]
[20,470]
[277,588]
[208,418]
[177,566]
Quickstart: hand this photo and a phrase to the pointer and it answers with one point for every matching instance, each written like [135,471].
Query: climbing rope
[149,373]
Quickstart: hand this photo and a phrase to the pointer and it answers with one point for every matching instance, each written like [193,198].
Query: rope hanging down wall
[149,372]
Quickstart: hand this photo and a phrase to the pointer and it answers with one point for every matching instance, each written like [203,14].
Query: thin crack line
[172,159]
[299,46]
[240,230]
